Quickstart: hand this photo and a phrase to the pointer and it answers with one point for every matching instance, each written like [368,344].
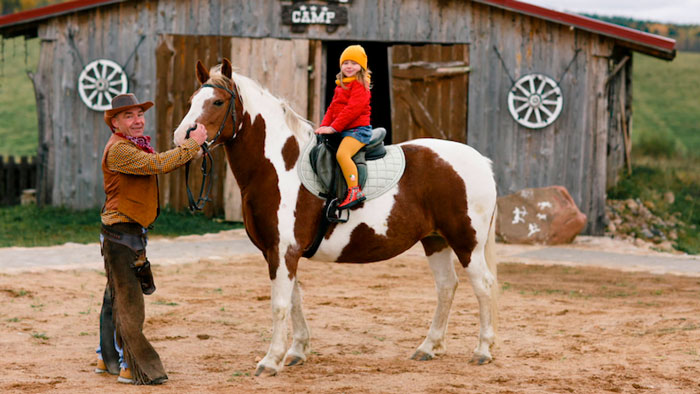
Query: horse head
[216,105]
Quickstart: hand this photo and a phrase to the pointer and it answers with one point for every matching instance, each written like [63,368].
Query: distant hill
[687,36]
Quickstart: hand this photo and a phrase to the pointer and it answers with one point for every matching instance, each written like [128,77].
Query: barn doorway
[378,63]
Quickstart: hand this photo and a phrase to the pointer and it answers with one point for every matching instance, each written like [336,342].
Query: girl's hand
[324,130]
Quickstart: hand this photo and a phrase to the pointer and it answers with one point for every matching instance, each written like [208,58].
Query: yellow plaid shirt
[127,158]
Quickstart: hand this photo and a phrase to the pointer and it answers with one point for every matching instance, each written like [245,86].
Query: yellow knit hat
[355,53]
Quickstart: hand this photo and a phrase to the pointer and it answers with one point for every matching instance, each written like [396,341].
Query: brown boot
[125,376]
[101,366]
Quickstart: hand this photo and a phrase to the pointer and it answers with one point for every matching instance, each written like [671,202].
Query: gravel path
[585,251]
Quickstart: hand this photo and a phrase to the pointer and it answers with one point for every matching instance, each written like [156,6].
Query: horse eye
[218,103]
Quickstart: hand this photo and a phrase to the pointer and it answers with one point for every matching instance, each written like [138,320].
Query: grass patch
[33,226]
[666,106]
[18,129]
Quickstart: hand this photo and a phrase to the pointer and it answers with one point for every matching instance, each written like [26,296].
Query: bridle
[208,160]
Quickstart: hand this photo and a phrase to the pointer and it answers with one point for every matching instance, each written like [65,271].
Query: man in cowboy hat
[130,166]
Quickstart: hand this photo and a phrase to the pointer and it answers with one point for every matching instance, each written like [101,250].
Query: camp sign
[303,13]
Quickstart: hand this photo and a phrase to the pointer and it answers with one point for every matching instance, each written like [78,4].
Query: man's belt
[137,243]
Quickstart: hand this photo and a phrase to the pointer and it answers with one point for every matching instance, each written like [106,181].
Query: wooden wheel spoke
[538,116]
[522,107]
[546,111]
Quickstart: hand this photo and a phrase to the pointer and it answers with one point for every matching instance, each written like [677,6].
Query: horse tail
[492,263]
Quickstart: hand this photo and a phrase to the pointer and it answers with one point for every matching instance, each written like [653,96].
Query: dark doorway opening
[378,63]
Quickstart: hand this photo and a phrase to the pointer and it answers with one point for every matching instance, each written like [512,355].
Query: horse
[446,199]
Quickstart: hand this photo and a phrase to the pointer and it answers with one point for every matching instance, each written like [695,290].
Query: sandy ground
[563,329]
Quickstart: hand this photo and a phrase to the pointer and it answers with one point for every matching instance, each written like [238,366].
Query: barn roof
[637,40]
[25,23]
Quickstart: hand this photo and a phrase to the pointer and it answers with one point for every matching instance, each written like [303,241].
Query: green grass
[18,129]
[33,226]
[666,102]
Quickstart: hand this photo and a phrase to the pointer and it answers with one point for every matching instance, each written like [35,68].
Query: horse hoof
[294,360]
[264,371]
[421,356]
[480,360]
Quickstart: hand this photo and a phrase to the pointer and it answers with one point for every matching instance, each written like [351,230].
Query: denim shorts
[362,134]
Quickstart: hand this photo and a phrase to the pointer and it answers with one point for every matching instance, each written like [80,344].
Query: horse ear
[226,68]
[202,72]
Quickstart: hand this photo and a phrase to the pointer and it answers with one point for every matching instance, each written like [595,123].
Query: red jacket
[349,108]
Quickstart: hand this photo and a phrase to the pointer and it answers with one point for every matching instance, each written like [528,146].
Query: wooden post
[3,193]
[23,180]
[11,179]
[625,134]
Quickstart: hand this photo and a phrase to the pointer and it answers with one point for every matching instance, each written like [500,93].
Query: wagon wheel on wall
[535,101]
[99,82]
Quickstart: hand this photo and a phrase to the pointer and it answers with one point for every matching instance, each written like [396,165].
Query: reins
[208,160]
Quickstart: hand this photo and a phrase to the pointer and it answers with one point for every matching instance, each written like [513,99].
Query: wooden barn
[546,95]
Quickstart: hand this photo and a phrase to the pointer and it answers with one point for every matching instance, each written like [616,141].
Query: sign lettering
[314,14]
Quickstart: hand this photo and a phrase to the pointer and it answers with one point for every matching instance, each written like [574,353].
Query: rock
[546,215]
[669,197]
[631,204]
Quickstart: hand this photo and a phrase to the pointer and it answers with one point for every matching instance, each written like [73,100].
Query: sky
[668,11]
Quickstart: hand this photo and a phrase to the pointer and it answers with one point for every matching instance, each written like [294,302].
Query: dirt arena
[562,330]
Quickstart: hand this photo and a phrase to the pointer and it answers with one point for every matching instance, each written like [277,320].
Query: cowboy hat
[123,102]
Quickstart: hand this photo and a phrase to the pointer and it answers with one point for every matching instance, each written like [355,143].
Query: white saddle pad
[382,174]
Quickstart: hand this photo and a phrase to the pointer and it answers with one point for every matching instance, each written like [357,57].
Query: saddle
[325,165]
[379,170]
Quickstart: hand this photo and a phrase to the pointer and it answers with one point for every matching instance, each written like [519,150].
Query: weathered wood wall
[72,136]
[572,152]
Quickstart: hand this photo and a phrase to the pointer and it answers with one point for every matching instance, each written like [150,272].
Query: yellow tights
[347,149]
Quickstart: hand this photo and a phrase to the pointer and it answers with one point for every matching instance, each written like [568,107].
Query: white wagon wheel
[535,101]
[99,82]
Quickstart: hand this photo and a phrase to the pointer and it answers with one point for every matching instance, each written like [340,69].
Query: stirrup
[334,215]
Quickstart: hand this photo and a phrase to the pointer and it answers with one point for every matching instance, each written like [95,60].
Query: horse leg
[280,300]
[481,268]
[440,260]
[296,355]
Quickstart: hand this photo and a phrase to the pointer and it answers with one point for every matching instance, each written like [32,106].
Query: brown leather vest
[135,196]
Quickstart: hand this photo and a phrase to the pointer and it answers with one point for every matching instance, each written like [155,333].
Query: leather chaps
[123,300]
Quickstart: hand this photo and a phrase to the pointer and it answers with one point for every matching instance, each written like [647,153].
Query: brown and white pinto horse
[446,199]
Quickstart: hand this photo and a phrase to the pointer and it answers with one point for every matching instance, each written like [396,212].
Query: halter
[208,161]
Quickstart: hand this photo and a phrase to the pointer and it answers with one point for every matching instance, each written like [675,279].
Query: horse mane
[300,127]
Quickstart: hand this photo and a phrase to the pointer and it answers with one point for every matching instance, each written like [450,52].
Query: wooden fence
[15,177]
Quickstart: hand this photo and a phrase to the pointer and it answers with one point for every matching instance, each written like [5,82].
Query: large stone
[546,215]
